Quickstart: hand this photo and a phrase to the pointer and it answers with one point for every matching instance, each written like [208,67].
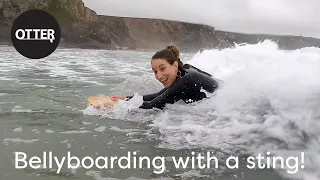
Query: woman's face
[164,72]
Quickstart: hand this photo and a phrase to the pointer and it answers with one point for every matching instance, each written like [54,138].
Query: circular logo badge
[35,34]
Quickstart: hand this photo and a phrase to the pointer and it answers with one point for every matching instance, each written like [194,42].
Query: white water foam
[76,132]
[97,176]
[100,129]
[20,109]
[19,140]
[19,129]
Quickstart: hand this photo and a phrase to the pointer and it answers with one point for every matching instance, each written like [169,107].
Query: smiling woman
[180,81]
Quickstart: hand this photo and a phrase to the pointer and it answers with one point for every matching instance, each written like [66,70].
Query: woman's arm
[150,97]
[147,97]
[173,94]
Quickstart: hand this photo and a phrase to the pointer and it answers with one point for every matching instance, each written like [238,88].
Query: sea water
[268,104]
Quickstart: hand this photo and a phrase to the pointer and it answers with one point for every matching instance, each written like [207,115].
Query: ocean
[262,123]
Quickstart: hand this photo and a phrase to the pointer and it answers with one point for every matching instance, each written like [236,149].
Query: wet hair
[171,54]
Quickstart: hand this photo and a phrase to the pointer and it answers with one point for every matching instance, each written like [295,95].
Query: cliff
[155,34]
[80,26]
[83,28]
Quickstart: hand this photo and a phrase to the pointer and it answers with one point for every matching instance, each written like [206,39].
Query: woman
[181,82]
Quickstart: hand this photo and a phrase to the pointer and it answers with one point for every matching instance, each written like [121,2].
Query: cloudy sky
[289,17]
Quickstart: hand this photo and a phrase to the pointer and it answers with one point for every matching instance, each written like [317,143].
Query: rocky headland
[81,27]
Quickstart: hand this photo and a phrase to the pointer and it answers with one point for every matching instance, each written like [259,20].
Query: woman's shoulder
[191,69]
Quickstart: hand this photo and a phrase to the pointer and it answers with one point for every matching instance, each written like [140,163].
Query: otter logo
[35,34]
[38,34]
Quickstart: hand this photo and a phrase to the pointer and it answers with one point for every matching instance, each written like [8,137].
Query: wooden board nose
[95,100]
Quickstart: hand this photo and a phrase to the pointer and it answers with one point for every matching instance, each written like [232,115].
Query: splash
[269,101]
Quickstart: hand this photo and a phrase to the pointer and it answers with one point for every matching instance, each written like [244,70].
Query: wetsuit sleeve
[149,97]
[171,95]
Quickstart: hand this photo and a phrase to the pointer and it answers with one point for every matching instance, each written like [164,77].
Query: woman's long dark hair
[171,54]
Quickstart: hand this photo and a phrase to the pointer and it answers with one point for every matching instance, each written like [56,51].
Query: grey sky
[289,17]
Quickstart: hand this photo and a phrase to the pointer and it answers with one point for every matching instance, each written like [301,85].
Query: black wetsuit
[189,88]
